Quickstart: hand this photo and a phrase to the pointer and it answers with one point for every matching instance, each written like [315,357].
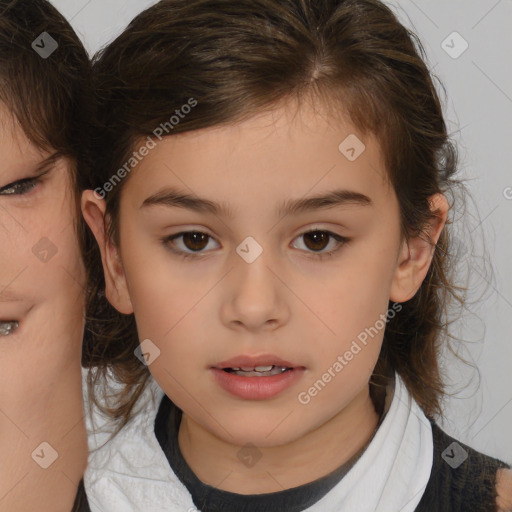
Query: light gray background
[478,108]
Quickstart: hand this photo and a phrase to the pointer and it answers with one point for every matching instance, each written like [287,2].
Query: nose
[257,297]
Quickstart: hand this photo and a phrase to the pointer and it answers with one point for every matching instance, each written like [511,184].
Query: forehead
[285,152]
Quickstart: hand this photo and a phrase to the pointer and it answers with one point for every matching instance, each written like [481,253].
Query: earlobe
[416,254]
[116,290]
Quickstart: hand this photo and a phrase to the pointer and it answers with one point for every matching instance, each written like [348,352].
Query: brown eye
[316,240]
[194,240]
[191,242]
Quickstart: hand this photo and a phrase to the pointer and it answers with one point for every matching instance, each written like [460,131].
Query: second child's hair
[49,98]
[237,58]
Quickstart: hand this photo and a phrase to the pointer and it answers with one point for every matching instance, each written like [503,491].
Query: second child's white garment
[131,473]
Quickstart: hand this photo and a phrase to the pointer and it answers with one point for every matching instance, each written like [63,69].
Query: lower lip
[256,388]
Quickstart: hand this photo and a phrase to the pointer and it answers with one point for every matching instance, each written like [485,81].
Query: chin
[264,434]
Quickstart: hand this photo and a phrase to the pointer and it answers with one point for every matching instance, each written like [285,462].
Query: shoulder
[462,478]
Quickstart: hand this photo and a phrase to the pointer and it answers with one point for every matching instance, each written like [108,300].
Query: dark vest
[468,487]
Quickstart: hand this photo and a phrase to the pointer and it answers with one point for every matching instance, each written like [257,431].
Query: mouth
[265,365]
[257,378]
[258,371]
[8,327]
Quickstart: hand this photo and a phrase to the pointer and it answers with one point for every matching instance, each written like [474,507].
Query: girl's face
[41,277]
[251,287]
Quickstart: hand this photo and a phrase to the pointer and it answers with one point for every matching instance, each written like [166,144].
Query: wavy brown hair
[237,58]
[49,97]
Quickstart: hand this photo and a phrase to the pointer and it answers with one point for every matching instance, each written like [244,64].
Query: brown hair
[238,57]
[49,97]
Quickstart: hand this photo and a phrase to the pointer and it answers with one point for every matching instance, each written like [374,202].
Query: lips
[14,309]
[256,377]
[8,327]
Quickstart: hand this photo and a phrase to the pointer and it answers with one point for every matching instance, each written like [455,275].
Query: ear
[116,290]
[416,254]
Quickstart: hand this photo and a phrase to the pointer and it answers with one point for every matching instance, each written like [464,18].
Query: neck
[298,462]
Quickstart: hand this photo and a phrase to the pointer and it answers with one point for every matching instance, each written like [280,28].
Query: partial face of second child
[42,278]
[239,279]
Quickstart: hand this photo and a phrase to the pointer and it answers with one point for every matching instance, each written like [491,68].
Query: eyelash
[167,241]
[16,185]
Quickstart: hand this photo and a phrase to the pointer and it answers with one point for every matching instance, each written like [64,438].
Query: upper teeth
[255,369]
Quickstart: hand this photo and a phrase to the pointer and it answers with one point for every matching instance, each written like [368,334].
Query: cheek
[162,296]
[355,291]
[43,266]
[40,253]
[55,250]
[352,306]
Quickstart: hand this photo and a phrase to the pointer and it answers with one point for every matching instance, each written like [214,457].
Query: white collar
[131,473]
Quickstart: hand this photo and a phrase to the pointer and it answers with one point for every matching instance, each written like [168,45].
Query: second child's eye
[194,242]
[20,187]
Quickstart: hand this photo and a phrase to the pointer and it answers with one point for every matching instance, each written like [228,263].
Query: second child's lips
[8,327]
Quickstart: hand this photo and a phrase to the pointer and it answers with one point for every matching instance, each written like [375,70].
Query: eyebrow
[173,197]
[46,164]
